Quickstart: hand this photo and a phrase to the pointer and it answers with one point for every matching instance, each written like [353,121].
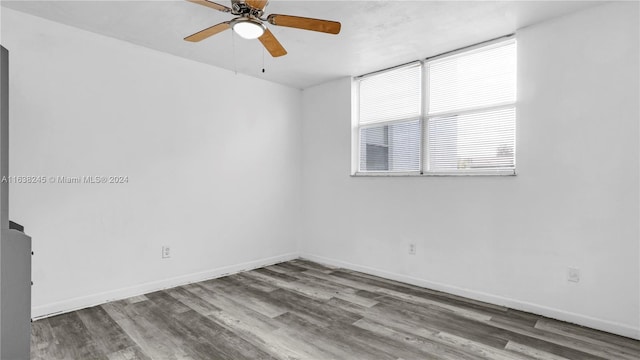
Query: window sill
[434,173]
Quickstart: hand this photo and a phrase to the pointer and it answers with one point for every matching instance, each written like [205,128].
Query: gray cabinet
[15,249]
[15,297]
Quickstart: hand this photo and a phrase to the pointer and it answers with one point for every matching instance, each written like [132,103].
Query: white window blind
[390,106]
[481,140]
[481,78]
[471,119]
[469,124]
[392,147]
[391,95]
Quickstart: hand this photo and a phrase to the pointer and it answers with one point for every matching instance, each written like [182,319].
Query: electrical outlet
[166,252]
[573,274]
[412,249]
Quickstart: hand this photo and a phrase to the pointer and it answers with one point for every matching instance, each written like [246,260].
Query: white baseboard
[584,320]
[69,305]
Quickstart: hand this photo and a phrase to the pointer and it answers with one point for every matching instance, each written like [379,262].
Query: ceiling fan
[249,23]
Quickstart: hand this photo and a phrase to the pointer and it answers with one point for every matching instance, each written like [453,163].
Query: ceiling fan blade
[272,44]
[325,26]
[210,31]
[257,4]
[211,4]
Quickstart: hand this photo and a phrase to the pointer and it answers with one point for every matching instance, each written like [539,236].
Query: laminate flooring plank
[256,328]
[411,327]
[154,342]
[334,344]
[600,350]
[199,337]
[315,292]
[252,326]
[275,268]
[193,302]
[373,292]
[417,291]
[226,343]
[315,311]
[415,325]
[335,290]
[369,294]
[514,319]
[135,299]
[249,281]
[343,281]
[275,345]
[531,352]
[290,268]
[547,346]
[248,297]
[43,344]
[350,307]
[446,346]
[389,345]
[311,311]
[362,291]
[475,349]
[233,310]
[474,331]
[131,353]
[520,317]
[276,274]
[73,339]
[383,282]
[108,335]
[416,302]
[390,287]
[600,338]
[386,284]
[171,305]
[429,349]
[309,347]
[408,329]
[492,334]
[486,352]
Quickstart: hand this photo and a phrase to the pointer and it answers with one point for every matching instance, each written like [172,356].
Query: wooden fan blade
[210,31]
[325,26]
[272,44]
[211,4]
[257,4]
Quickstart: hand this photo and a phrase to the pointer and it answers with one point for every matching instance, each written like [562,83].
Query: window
[390,111]
[452,114]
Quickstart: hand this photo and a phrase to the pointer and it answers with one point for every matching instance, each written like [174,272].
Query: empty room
[357,180]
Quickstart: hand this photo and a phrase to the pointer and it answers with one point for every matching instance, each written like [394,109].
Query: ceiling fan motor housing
[239,7]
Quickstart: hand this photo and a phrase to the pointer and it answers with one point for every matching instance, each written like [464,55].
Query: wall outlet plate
[412,249]
[573,274]
[166,252]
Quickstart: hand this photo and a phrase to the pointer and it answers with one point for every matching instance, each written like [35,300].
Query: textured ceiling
[375,34]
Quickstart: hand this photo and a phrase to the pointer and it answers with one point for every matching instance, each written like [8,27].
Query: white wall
[507,240]
[212,158]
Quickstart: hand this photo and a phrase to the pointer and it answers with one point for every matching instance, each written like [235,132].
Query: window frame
[356,127]
[424,117]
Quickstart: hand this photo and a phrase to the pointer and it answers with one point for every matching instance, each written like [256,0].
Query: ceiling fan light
[248,29]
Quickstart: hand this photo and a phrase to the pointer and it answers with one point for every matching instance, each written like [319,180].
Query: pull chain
[263,60]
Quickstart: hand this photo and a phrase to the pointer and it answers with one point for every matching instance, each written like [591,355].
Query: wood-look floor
[302,310]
